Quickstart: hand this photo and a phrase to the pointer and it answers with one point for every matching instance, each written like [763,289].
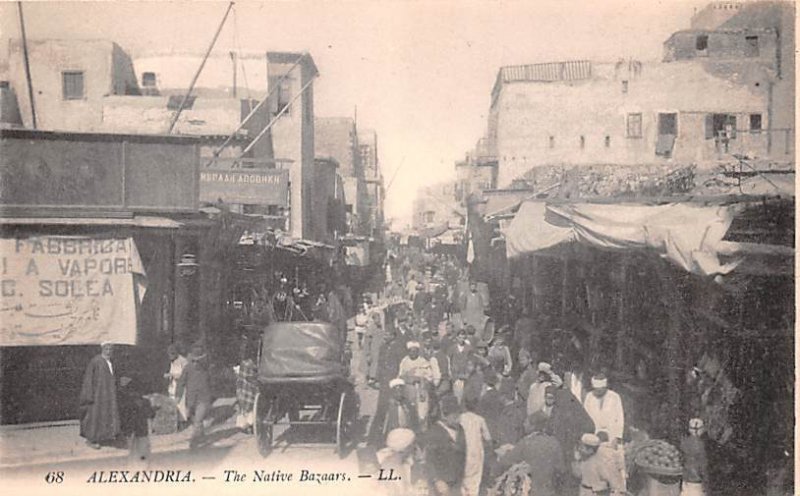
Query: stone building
[721,90]
[373,177]
[337,138]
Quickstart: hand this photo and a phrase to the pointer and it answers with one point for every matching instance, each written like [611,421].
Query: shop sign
[248,186]
[68,290]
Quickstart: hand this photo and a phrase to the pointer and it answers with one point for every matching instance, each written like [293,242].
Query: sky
[419,73]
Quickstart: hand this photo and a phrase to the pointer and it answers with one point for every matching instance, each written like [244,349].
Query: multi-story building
[476,173]
[92,86]
[70,80]
[368,150]
[328,202]
[292,104]
[720,91]
[337,138]
[436,206]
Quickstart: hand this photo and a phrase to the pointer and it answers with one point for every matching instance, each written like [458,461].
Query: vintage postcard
[394,248]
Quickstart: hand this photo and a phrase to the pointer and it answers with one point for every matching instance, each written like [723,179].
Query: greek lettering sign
[65,290]
[250,186]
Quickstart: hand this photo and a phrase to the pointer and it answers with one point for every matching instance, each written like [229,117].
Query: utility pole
[27,63]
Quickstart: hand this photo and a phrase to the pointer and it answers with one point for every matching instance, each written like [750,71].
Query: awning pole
[274,120]
[199,70]
[253,112]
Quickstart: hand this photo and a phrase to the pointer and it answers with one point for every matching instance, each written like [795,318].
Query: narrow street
[398,248]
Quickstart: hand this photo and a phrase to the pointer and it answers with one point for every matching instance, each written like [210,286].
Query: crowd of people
[463,406]
[466,410]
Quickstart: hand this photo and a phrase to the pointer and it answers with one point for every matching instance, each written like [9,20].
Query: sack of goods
[166,419]
[514,482]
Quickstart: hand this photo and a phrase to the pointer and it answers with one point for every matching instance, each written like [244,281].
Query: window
[148,79]
[624,86]
[634,126]
[755,123]
[668,124]
[701,43]
[751,46]
[721,126]
[583,142]
[667,132]
[429,217]
[551,142]
[608,141]
[72,85]
[282,95]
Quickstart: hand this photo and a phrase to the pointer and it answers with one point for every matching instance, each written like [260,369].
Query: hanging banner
[69,290]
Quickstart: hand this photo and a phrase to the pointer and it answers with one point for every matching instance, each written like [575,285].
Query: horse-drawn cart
[304,381]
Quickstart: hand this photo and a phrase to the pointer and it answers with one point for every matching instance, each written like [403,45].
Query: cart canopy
[300,349]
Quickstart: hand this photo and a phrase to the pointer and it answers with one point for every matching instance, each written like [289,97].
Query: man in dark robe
[490,405]
[99,412]
[400,413]
[543,455]
[446,450]
[567,420]
[392,352]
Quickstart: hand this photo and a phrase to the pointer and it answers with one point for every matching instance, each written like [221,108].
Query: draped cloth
[689,235]
[98,402]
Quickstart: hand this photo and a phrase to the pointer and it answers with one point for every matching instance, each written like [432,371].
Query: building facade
[692,108]
[70,80]
[476,173]
[337,138]
[373,177]
[93,86]
[436,206]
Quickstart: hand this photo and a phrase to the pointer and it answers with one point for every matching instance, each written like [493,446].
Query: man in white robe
[605,408]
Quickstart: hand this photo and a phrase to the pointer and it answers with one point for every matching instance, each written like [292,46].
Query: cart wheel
[263,426]
[346,418]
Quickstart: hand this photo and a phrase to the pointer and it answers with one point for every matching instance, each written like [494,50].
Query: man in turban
[597,469]
[546,377]
[604,406]
[100,423]
[398,456]
[695,461]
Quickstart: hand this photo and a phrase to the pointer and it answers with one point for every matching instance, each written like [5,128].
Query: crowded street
[484,248]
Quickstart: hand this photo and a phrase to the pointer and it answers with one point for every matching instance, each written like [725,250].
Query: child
[135,411]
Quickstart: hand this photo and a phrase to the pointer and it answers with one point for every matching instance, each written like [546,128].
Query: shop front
[687,306]
[90,245]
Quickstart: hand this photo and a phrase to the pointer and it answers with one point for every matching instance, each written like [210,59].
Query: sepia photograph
[390,248]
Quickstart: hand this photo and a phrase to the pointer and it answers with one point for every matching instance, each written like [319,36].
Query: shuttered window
[634,126]
[72,85]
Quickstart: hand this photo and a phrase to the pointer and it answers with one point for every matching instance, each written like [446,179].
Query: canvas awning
[690,235]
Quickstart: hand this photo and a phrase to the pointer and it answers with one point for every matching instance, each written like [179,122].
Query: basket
[656,470]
